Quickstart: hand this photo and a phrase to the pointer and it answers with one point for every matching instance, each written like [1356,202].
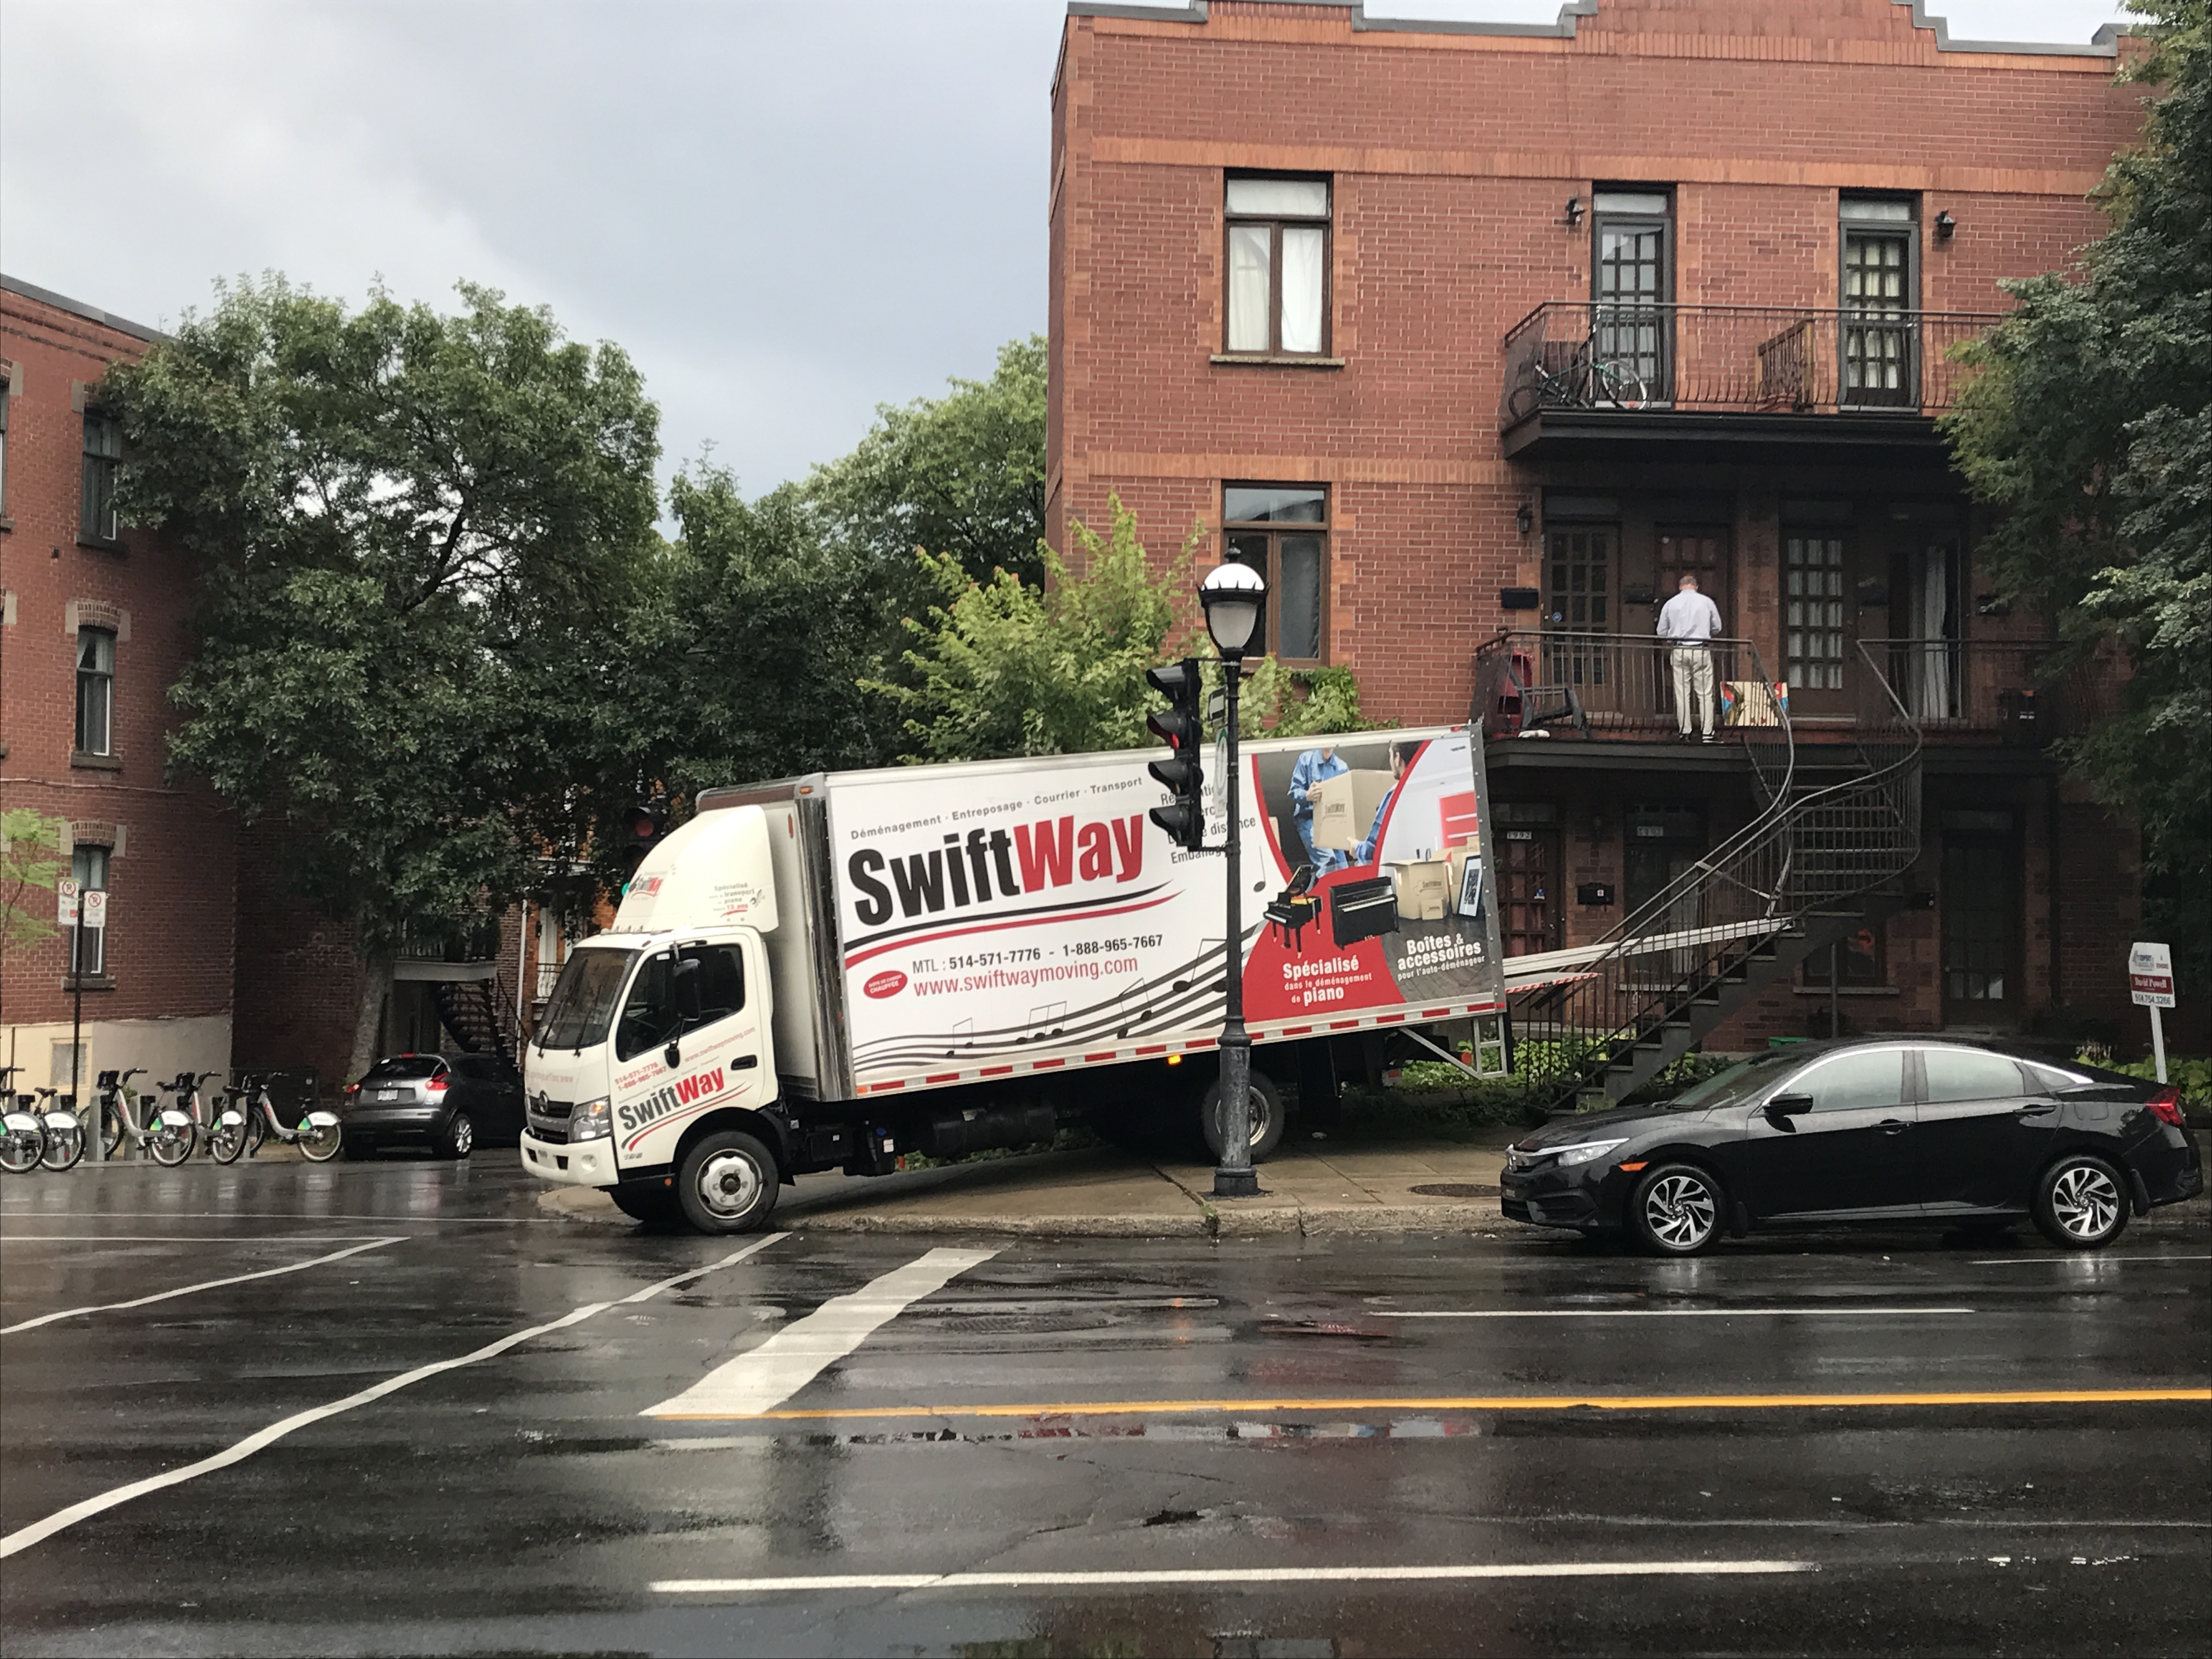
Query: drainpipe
[2050,880]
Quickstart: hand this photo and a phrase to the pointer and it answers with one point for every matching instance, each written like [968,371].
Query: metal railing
[1752,359]
[2023,692]
[1814,847]
[461,942]
[548,973]
[1590,684]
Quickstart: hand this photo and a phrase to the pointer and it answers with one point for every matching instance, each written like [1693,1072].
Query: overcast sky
[787,213]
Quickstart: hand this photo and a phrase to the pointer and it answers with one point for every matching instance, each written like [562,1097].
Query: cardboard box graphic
[1425,889]
[1344,808]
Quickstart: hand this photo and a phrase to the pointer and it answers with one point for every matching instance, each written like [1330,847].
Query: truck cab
[658,1041]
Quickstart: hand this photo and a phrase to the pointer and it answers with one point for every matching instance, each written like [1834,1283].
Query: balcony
[1745,381]
[2015,694]
[463,950]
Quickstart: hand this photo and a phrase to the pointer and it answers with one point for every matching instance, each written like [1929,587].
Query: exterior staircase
[1824,856]
[479,1015]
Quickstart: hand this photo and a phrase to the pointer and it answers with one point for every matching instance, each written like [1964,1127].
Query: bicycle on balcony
[1585,380]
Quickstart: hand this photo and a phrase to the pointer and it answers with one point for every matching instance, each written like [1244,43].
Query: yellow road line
[1505,1402]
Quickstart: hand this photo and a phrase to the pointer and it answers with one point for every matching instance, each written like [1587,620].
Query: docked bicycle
[247,1119]
[22,1136]
[169,1133]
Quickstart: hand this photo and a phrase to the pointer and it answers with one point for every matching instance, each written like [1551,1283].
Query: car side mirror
[1783,1106]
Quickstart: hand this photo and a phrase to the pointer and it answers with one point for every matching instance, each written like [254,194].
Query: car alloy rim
[465,1134]
[2086,1201]
[1680,1211]
[728,1184]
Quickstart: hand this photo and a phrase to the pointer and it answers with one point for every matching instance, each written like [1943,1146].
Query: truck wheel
[652,1202]
[1267,1118]
[727,1184]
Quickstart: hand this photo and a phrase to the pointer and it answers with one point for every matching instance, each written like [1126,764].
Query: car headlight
[1587,1151]
[593,1120]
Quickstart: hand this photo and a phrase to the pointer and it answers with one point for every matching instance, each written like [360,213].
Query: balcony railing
[463,942]
[1748,359]
[2021,692]
[549,974]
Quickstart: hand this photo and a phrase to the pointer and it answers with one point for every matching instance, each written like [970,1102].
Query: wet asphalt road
[1266,1424]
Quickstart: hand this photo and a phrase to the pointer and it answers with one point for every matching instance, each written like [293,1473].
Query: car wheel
[727,1184]
[1676,1210]
[652,1202]
[2082,1203]
[460,1137]
[1267,1118]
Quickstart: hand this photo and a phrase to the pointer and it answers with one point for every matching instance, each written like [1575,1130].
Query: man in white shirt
[1686,622]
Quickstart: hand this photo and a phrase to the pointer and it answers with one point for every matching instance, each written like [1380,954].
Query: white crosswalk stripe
[778,1368]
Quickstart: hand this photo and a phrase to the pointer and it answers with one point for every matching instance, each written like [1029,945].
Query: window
[654,1013]
[1278,263]
[1281,530]
[95,691]
[1949,1075]
[1813,600]
[1869,1079]
[1632,277]
[103,451]
[1862,954]
[1981,899]
[1877,284]
[4,400]
[88,945]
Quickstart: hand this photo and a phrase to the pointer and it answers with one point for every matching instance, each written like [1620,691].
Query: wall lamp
[1945,224]
[1524,518]
[1574,211]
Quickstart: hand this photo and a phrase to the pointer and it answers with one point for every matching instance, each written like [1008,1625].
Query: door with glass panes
[1819,618]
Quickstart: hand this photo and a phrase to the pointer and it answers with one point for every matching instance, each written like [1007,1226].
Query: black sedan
[448,1103]
[1973,1135]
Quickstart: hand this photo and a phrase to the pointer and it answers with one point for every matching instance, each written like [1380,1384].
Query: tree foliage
[30,862]
[961,475]
[411,528]
[2089,425]
[1002,668]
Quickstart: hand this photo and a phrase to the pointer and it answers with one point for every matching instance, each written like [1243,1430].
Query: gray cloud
[787,213]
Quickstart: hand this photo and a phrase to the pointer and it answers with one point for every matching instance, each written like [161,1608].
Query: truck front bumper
[592,1163]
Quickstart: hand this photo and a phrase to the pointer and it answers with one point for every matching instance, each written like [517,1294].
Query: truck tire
[727,1184]
[652,1202]
[1267,1118]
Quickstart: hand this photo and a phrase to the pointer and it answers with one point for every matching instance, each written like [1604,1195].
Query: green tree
[412,527]
[961,475]
[2089,425]
[30,858]
[1003,668]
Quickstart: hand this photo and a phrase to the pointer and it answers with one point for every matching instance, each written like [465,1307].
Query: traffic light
[1178,726]
[644,826]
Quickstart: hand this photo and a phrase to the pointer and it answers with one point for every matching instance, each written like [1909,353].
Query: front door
[1819,620]
[1852,1152]
[1982,1132]
[682,1049]
[1529,890]
[1981,901]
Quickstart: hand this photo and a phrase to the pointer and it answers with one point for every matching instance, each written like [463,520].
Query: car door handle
[1893,1126]
[2035,1109]
[744,1062]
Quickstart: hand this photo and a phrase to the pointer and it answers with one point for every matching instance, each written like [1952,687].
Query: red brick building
[1477,337]
[92,635]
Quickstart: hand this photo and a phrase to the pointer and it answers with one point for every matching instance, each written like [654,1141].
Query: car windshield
[582,1004]
[402,1066]
[1739,1082]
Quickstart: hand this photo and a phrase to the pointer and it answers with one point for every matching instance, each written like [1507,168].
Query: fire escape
[1836,824]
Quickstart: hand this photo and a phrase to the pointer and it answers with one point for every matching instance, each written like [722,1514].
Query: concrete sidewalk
[1312,1188]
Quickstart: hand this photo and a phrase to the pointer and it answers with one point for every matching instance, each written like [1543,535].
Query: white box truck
[828,972]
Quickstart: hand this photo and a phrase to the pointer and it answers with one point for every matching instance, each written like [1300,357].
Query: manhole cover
[1456,1190]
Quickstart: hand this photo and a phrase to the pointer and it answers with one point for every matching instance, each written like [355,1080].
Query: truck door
[693,1038]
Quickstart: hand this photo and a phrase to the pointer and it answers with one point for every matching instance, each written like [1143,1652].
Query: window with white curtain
[95,691]
[1278,265]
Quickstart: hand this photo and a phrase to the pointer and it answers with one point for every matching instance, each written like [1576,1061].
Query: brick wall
[170,875]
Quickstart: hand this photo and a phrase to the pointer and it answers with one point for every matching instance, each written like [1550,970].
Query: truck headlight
[593,1120]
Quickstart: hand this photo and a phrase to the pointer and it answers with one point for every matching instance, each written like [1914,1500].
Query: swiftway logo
[981,867]
[685,1090]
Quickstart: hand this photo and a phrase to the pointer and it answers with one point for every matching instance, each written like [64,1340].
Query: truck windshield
[582,1004]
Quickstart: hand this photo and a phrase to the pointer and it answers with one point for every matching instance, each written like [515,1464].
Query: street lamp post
[1232,595]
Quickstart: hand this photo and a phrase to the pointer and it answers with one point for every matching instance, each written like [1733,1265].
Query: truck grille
[549,1119]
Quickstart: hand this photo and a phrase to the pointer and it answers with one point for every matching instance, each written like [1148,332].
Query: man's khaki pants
[1693,675]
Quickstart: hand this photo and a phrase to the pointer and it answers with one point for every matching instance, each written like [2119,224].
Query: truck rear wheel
[1267,1118]
[727,1184]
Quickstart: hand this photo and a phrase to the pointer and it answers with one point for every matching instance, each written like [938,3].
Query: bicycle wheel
[111,1129]
[320,1142]
[256,1131]
[1618,387]
[21,1147]
[65,1148]
[172,1144]
[226,1139]
[1526,400]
